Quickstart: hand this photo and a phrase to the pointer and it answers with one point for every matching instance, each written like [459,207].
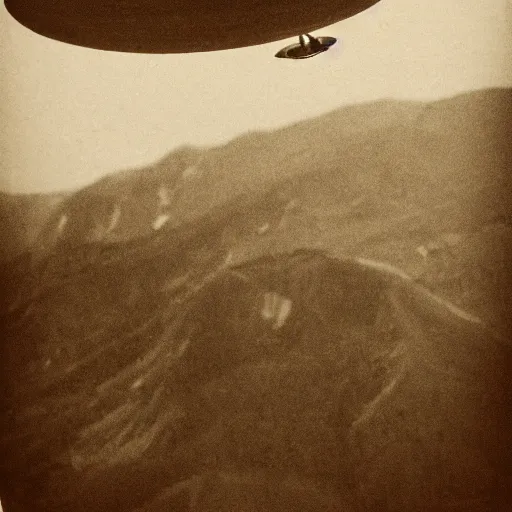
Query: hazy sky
[71,114]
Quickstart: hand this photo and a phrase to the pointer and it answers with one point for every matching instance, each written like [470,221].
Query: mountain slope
[424,186]
[298,378]
[245,352]
[383,147]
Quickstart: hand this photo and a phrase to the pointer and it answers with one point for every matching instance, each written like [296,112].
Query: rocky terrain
[221,331]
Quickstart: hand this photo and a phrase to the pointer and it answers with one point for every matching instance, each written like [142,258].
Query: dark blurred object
[159,26]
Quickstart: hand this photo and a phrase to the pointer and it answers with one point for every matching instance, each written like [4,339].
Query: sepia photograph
[256,256]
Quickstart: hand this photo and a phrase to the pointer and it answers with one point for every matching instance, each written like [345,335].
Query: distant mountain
[384,148]
[222,331]
[425,186]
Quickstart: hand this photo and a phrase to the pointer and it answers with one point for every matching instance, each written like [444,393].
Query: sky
[70,115]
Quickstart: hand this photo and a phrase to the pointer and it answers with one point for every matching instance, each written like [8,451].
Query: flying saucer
[306,48]
[178,26]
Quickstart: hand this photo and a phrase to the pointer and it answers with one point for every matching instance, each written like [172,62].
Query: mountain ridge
[214,176]
[430,193]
